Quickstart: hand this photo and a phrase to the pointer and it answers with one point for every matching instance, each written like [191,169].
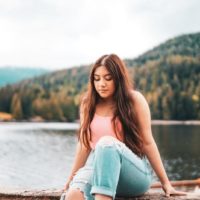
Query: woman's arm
[80,158]
[81,154]
[143,118]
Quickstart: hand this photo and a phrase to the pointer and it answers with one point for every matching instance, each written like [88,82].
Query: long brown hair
[124,110]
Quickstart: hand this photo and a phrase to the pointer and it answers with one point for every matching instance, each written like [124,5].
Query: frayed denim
[112,169]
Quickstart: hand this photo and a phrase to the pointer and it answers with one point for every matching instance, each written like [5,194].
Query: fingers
[65,188]
[175,193]
[179,193]
[167,194]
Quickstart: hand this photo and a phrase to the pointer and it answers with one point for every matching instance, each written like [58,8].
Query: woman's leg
[135,175]
[111,162]
[106,168]
[102,197]
[74,194]
[80,186]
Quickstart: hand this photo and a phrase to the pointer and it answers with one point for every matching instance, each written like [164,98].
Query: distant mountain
[168,76]
[184,45]
[10,75]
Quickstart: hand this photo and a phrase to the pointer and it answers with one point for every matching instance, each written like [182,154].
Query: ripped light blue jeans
[112,169]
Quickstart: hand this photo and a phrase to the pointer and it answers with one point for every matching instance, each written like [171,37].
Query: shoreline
[153,122]
[175,122]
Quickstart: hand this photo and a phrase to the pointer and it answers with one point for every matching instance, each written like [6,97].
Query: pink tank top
[102,126]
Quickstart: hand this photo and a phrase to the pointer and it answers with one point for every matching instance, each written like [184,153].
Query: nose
[102,83]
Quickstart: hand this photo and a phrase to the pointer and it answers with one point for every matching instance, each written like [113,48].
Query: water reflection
[35,159]
[180,150]
[42,158]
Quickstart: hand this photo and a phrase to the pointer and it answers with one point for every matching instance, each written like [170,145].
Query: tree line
[168,76]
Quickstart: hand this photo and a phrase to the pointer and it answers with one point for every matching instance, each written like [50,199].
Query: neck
[109,101]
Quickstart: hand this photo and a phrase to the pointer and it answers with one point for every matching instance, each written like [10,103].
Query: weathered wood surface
[182,183]
[55,195]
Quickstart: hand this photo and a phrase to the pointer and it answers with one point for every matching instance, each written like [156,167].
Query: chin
[104,96]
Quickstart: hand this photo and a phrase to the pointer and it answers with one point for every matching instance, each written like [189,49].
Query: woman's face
[104,83]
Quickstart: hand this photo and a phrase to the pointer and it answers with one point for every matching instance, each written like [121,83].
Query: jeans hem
[102,190]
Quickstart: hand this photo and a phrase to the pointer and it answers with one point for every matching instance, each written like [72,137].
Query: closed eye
[96,78]
[107,77]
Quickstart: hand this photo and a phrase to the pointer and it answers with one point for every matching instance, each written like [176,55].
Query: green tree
[16,108]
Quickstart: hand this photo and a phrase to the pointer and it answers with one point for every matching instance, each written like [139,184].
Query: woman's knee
[108,144]
[107,141]
[73,194]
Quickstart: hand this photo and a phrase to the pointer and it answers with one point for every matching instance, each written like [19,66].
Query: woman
[115,139]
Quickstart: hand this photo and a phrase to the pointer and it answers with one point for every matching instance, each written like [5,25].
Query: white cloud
[59,34]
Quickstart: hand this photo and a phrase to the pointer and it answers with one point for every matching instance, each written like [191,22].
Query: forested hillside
[9,75]
[168,76]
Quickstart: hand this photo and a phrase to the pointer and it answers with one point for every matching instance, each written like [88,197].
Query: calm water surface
[39,156]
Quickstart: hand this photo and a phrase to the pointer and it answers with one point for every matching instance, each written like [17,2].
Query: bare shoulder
[138,97]
[139,102]
[82,105]
[83,100]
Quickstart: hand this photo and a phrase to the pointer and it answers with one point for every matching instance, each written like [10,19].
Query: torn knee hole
[107,141]
[73,193]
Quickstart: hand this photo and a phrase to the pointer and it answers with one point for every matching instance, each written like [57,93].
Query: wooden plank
[55,195]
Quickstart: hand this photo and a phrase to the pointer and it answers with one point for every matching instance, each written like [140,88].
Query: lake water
[40,155]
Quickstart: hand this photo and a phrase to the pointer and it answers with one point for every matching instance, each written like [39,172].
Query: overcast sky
[65,33]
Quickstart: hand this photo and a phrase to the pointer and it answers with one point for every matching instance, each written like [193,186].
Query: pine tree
[16,108]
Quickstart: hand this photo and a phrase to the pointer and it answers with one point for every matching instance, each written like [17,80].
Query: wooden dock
[55,195]
[155,193]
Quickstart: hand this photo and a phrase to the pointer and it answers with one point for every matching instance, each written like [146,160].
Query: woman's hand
[169,190]
[66,186]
